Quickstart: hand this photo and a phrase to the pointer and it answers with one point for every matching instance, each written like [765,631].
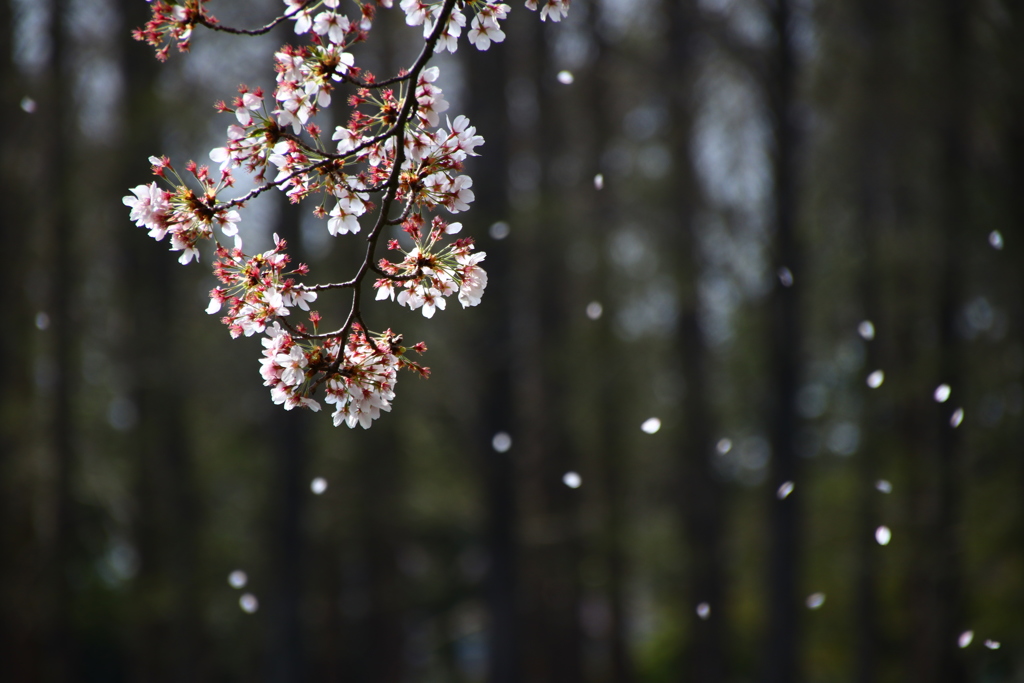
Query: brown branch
[392,184]
[204,21]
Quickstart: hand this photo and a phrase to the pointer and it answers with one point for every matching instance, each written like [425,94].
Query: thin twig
[249,32]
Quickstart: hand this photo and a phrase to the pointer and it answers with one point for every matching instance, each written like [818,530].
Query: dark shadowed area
[743,401]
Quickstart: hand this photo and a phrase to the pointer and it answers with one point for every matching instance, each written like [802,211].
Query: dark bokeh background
[774,174]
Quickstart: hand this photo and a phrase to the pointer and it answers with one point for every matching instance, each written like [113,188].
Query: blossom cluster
[395,156]
[257,289]
[184,214]
[358,374]
[431,271]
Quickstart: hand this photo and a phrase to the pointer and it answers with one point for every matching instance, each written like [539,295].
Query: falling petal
[723,446]
[572,480]
[883,485]
[28,105]
[501,442]
[995,238]
[651,425]
[785,277]
[248,603]
[499,230]
[318,485]
[883,535]
[783,492]
[992,644]
[942,393]
[594,310]
[599,182]
[956,418]
[704,610]
[565,77]
[965,638]
[875,379]
[42,320]
[237,579]
[866,330]
[815,600]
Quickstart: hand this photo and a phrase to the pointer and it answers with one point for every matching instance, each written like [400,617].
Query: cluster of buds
[394,155]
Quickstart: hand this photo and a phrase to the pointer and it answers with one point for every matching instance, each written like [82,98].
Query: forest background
[692,209]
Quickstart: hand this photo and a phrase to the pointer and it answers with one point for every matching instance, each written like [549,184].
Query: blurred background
[742,402]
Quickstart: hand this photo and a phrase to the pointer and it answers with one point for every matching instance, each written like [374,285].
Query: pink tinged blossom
[418,146]
[415,11]
[291,67]
[481,34]
[411,297]
[555,9]
[460,195]
[347,140]
[252,101]
[322,91]
[432,300]
[342,223]
[429,98]
[305,402]
[474,278]
[243,116]
[331,24]
[150,208]
[449,39]
[351,202]
[303,17]
[466,135]
[429,75]
[472,288]
[283,394]
[275,303]
[367,390]
[180,242]
[292,364]
[345,61]
[299,297]
[445,286]
[227,222]
[385,289]
[280,154]
[217,297]
[492,13]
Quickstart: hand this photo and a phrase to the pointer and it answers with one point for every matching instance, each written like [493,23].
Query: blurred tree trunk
[167,643]
[786,344]
[167,519]
[550,589]
[487,108]
[382,657]
[57,119]
[20,591]
[941,617]
[700,492]
[287,547]
[610,388]
[871,177]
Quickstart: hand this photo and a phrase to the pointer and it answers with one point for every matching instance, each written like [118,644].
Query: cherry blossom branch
[414,163]
[391,187]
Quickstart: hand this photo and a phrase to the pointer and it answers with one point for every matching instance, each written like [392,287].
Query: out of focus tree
[692,211]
